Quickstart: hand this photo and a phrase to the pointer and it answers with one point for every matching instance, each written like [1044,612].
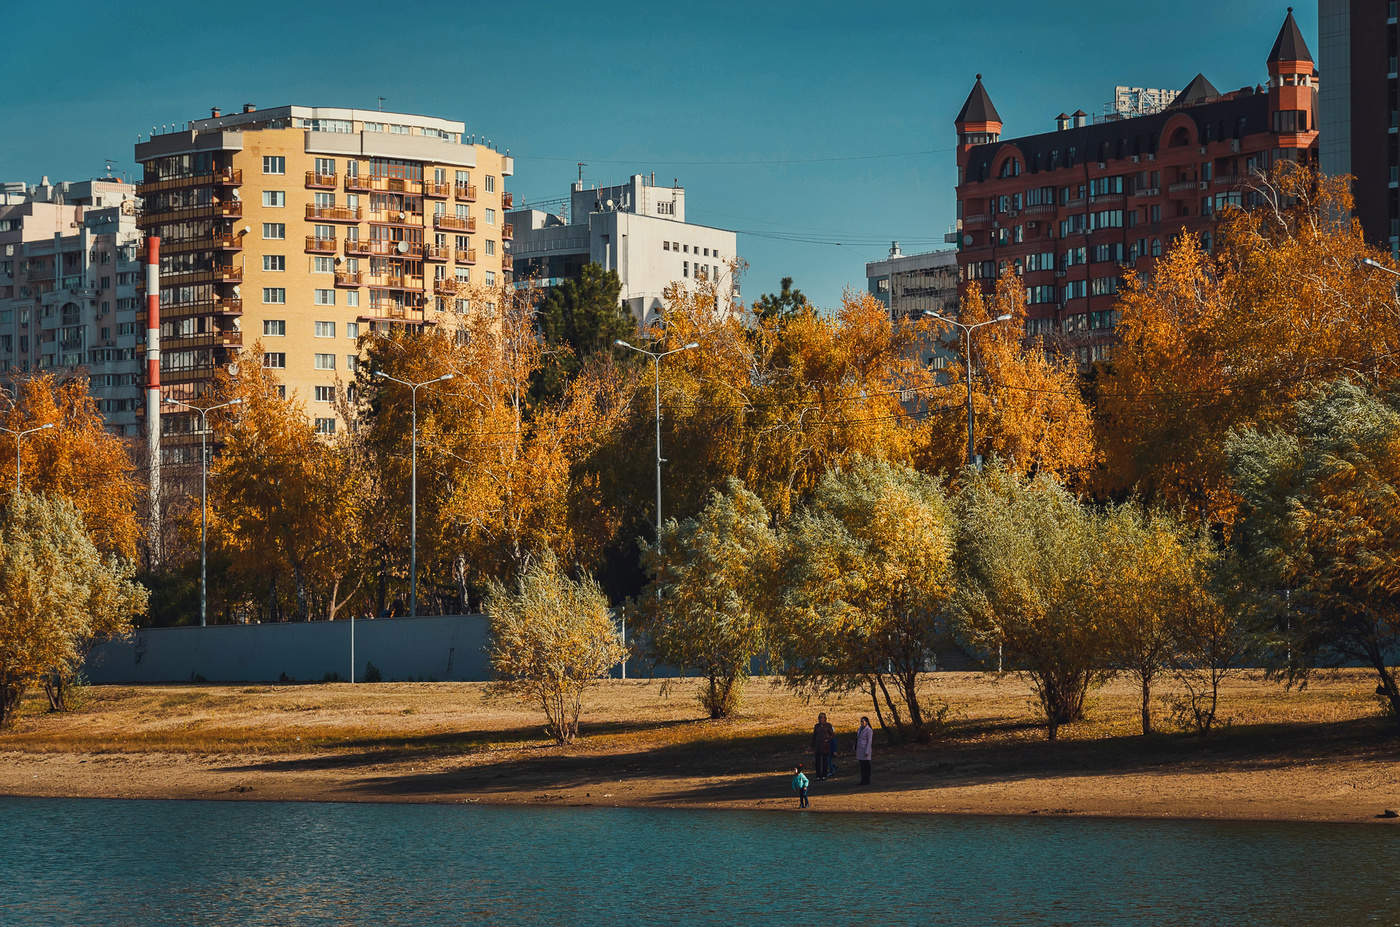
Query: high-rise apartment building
[1358,44]
[303,228]
[912,284]
[636,229]
[1070,209]
[68,290]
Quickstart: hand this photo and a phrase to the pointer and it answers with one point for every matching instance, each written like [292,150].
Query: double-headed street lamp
[656,365]
[19,435]
[413,490]
[967,331]
[203,495]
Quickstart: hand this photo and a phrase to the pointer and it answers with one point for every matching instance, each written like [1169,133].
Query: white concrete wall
[649,254]
[450,648]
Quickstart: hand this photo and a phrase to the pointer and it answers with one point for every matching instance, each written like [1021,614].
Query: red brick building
[1071,209]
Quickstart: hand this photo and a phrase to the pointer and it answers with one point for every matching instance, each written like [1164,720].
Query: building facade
[1358,43]
[302,228]
[636,229]
[68,290]
[912,284]
[1070,210]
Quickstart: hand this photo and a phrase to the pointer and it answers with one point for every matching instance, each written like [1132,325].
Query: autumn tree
[1318,541]
[1152,588]
[1028,554]
[1231,337]
[58,592]
[77,459]
[864,579]
[702,612]
[286,504]
[552,638]
[1027,403]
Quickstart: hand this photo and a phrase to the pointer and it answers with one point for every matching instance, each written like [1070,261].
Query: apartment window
[463,211]
[274,231]
[352,168]
[274,262]
[325,394]
[325,329]
[274,164]
[352,329]
[665,246]
[439,175]
[322,264]
[685,268]
[275,360]
[490,278]
[685,248]
[490,183]
[463,274]
[490,217]
[490,246]
[325,297]
[325,426]
[324,200]
[352,297]
[274,198]
[274,328]
[325,166]
[464,176]
[352,362]
[325,361]
[274,295]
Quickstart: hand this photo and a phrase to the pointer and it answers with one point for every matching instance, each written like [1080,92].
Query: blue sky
[737,100]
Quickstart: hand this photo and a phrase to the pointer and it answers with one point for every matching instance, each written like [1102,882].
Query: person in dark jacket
[822,735]
[865,741]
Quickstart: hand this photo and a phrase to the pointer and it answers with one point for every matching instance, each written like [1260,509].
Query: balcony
[354,247]
[316,245]
[465,191]
[507,200]
[228,307]
[976,220]
[224,178]
[1184,186]
[320,181]
[434,253]
[454,224]
[334,213]
[357,184]
[232,209]
[397,217]
[441,191]
[1226,180]
[223,339]
[466,255]
[228,274]
[395,185]
[228,241]
[507,232]
[447,286]
[348,278]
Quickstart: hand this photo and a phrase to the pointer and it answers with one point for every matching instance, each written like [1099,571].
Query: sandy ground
[1321,754]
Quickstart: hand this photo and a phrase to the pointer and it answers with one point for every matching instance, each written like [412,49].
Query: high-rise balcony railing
[455,223]
[357,184]
[436,190]
[465,191]
[436,253]
[349,278]
[507,231]
[316,245]
[320,181]
[466,255]
[334,213]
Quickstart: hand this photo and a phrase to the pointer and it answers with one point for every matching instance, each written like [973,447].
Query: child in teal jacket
[799,785]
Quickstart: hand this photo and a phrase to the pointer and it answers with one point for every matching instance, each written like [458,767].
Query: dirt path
[1318,755]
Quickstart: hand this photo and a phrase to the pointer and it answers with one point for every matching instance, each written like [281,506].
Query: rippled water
[73,862]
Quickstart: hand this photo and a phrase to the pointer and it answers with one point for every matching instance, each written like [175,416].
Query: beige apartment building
[304,228]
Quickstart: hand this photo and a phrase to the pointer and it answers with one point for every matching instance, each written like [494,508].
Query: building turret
[978,121]
[1292,87]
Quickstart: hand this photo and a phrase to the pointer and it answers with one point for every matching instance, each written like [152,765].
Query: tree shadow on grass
[746,766]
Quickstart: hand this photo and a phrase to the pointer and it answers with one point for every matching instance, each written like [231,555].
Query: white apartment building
[637,229]
[69,269]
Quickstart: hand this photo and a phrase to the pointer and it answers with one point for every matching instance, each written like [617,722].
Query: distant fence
[448,648]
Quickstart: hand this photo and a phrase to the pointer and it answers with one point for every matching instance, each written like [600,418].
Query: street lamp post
[656,367]
[413,489]
[967,331]
[19,436]
[203,496]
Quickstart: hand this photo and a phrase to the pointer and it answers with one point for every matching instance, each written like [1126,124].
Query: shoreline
[1320,755]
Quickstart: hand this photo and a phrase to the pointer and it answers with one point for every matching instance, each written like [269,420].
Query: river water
[151,864]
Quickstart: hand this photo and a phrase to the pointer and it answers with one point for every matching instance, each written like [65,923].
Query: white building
[69,269]
[913,284]
[636,229]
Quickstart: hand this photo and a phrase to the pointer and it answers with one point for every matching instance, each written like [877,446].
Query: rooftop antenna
[581,166]
[381,103]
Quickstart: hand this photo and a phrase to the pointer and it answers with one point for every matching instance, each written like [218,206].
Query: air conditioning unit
[1235,145]
[1136,159]
[1102,165]
[1205,184]
[1151,156]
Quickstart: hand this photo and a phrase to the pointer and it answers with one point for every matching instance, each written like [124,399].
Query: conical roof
[1198,91]
[1290,45]
[978,107]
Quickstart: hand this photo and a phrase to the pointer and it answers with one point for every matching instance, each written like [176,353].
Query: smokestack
[213,112]
[248,107]
[153,388]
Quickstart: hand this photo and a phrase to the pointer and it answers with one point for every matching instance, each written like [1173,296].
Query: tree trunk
[1146,679]
[1388,688]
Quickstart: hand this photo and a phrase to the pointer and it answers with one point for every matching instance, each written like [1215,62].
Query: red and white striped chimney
[153,388]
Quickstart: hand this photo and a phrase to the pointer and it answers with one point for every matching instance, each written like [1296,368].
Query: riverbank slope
[1319,754]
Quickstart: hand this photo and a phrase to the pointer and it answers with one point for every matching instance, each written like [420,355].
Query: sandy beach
[1317,754]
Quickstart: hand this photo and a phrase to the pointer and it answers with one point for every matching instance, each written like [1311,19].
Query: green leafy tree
[578,319]
[865,576]
[1028,553]
[1319,535]
[552,638]
[700,612]
[58,593]
[786,303]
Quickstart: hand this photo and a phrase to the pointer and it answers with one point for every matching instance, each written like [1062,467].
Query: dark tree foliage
[783,304]
[578,318]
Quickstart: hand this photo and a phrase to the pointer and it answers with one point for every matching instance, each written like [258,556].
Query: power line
[739,162]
